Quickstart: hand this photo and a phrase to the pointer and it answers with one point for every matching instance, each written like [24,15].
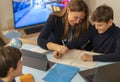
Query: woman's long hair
[81,27]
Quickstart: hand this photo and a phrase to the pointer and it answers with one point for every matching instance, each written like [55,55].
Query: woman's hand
[62,49]
[56,47]
[57,55]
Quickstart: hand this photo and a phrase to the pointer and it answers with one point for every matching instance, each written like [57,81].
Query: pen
[63,43]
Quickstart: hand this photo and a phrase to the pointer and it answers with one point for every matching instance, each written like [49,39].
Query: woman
[64,26]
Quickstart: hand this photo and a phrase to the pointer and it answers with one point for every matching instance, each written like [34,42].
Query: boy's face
[102,26]
[18,71]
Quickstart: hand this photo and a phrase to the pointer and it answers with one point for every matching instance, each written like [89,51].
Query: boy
[104,37]
[10,63]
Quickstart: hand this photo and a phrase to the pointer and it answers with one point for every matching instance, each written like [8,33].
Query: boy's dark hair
[9,57]
[102,13]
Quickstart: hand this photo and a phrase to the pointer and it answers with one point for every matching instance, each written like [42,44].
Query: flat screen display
[34,12]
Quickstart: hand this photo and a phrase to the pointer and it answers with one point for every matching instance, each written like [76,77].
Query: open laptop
[107,73]
[36,60]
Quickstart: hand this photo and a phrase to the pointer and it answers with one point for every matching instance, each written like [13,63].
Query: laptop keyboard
[90,78]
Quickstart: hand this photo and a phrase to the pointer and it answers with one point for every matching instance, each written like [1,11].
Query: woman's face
[74,17]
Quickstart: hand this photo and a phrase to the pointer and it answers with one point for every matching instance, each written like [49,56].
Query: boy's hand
[86,57]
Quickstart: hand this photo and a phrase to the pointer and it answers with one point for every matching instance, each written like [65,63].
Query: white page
[67,58]
[91,53]
[39,50]
[87,64]
[73,59]
[79,63]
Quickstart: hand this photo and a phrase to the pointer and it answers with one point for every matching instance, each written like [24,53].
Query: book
[73,59]
[61,73]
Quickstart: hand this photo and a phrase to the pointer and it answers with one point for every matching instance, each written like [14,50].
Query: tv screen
[34,12]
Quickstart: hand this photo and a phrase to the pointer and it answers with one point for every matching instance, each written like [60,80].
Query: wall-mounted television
[28,13]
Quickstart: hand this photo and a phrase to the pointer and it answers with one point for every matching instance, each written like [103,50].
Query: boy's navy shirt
[107,43]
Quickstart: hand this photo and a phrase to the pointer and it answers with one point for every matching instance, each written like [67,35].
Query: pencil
[63,43]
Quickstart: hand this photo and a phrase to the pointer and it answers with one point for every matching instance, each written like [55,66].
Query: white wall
[113,3]
[6,16]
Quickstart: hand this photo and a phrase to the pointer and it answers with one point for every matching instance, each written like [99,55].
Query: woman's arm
[45,33]
[59,48]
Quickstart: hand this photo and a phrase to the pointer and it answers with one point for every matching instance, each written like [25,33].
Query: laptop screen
[107,73]
[35,60]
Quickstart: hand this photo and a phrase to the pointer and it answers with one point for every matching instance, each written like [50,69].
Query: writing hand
[62,49]
[57,55]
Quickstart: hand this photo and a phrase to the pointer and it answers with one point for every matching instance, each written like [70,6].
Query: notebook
[61,73]
[72,58]
[107,73]
[36,60]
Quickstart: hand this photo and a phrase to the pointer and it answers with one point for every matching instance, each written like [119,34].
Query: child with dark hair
[10,63]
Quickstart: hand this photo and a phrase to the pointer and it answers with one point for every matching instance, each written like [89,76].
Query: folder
[61,73]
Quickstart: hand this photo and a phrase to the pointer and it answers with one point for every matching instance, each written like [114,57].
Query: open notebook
[73,59]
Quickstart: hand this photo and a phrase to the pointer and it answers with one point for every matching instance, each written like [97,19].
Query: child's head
[102,18]
[102,13]
[10,62]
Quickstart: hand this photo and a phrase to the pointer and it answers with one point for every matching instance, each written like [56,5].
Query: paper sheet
[79,63]
[73,59]
[67,58]
[39,50]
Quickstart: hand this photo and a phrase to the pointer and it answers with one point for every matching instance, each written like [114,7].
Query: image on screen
[33,12]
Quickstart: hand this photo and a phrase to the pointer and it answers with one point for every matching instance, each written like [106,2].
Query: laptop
[36,60]
[106,73]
